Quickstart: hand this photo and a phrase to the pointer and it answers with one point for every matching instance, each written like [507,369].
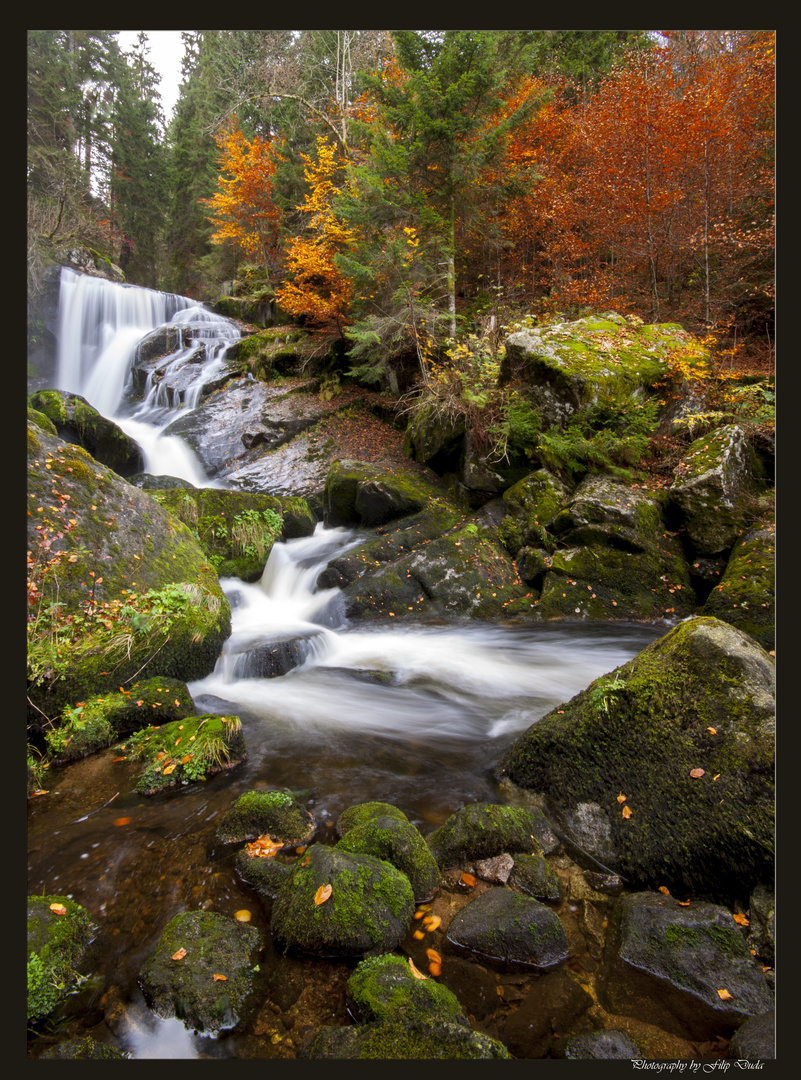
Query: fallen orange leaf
[695,773]
[626,811]
[433,956]
[264,847]
[621,797]
[712,731]
[123,821]
[724,995]
[243,915]
[419,935]
[664,889]
[322,894]
[417,974]
[435,969]
[58,909]
[123,758]
[221,978]
[178,955]
[741,920]
[468,880]
[683,903]
[168,769]
[185,758]
[431,922]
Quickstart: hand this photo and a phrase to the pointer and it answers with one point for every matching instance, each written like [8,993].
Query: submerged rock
[391,1041]
[686,969]
[663,769]
[535,876]
[367,910]
[186,986]
[506,928]
[554,1004]
[258,813]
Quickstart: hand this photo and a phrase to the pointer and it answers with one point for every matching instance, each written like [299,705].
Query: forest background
[414,194]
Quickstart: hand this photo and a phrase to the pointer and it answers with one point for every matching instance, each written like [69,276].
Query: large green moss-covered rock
[712,487]
[367,911]
[79,422]
[402,845]
[507,928]
[483,830]
[185,987]
[619,764]
[383,989]
[745,597]
[259,813]
[394,1040]
[119,588]
[530,505]
[667,964]
[434,440]
[357,492]
[186,751]
[59,931]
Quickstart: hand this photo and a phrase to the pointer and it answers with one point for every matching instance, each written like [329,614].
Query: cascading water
[101,327]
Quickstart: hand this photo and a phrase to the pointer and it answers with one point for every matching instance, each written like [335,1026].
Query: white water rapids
[410,711]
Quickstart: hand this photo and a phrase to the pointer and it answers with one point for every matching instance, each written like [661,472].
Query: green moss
[185,751]
[55,944]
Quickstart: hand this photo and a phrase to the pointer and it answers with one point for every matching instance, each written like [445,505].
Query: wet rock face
[619,764]
[507,928]
[667,964]
[744,596]
[186,987]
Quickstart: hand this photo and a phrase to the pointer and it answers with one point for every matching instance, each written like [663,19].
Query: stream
[414,713]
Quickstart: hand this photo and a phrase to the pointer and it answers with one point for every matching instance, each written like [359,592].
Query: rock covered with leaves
[684,967]
[258,813]
[186,751]
[663,769]
[202,970]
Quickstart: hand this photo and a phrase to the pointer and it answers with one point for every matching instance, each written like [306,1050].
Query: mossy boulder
[361,813]
[384,989]
[530,505]
[392,1041]
[666,964]
[398,843]
[59,931]
[357,493]
[261,813]
[699,698]
[270,352]
[101,720]
[509,929]
[237,529]
[186,751]
[745,596]
[367,912]
[483,830]
[563,366]
[265,874]
[435,440]
[713,485]
[38,419]
[83,1048]
[76,421]
[533,874]
[186,987]
[120,588]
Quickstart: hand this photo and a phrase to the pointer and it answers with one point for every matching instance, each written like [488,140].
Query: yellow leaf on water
[431,922]
[243,915]
[322,894]
[419,935]
[468,880]
[724,995]
[433,956]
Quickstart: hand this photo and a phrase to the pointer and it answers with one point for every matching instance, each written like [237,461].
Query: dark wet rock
[755,1040]
[601,1045]
[762,919]
[367,912]
[496,869]
[474,987]
[435,440]
[266,875]
[712,486]
[149,482]
[666,963]
[533,875]
[530,505]
[56,943]
[701,697]
[356,492]
[553,1004]
[260,659]
[122,543]
[78,422]
[83,1049]
[398,843]
[186,988]
[384,989]
[392,1041]
[364,812]
[186,752]
[100,721]
[259,813]
[506,928]
[745,595]
[483,830]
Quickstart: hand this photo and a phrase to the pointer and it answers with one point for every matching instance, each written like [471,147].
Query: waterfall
[101,326]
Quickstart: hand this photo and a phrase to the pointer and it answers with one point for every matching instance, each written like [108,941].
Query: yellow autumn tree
[316,290]
[243,209]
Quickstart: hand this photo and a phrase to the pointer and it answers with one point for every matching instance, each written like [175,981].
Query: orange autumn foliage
[316,289]
[243,209]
